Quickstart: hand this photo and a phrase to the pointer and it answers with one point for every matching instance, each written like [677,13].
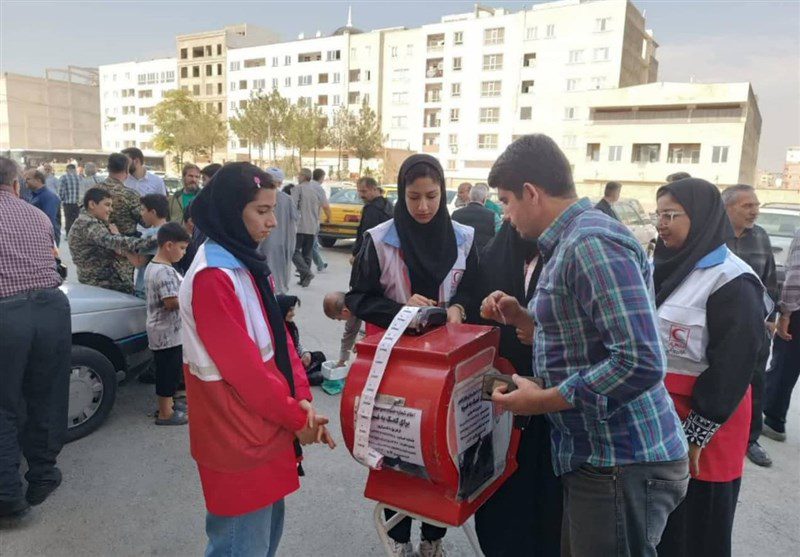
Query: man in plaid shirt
[69,190]
[618,444]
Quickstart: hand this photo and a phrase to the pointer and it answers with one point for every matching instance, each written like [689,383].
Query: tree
[241,128]
[277,114]
[252,124]
[301,129]
[321,136]
[339,133]
[174,117]
[364,136]
[210,132]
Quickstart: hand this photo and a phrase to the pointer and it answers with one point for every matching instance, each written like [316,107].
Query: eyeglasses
[668,216]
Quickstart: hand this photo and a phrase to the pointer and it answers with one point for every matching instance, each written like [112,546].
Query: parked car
[109,343]
[633,215]
[781,224]
[172,184]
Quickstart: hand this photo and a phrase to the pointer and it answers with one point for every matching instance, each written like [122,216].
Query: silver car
[780,222]
[109,342]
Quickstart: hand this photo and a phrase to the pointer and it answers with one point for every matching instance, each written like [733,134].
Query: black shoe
[14,509]
[758,455]
[307,280]
[39,491]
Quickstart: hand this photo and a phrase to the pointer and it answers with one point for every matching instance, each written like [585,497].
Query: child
[334,307]
[162,283]
[312,361]
[154,210]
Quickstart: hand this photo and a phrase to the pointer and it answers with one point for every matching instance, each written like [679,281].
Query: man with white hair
[279,246]
[90,178]
[476,215]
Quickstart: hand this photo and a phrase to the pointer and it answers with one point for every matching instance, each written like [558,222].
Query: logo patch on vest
[457,278]
[678,339]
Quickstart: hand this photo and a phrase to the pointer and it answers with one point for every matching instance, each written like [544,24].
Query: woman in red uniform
[711,312]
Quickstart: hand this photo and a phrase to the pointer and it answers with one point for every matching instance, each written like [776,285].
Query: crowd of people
[651,372]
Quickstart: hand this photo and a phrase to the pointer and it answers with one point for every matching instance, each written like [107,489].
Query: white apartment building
[128,93]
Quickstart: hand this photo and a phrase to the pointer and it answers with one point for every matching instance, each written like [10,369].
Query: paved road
[132,489]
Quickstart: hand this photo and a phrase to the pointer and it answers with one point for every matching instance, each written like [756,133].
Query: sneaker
[758,455]
[322,269]
[177,418]
[428,548]
[39,491]
[307,280]
[401,549]
[773,434]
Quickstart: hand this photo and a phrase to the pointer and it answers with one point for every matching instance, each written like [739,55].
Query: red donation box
[445,451]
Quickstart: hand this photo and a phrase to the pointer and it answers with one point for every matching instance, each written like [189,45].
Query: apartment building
[129,91]
[640,134]
[791,169]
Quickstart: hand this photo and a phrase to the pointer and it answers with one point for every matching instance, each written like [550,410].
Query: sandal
[177,418]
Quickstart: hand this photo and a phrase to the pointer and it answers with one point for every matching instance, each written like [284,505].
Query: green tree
[210,132]
[339,134]
[364,136]
[301,129]
[277,115]
[174,117]
[321,135]
[241,128]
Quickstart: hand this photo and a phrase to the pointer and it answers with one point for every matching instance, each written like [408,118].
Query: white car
[633,216]
[780,222]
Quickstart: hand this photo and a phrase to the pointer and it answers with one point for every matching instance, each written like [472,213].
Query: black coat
[480,218]
[605,207]
[374,213]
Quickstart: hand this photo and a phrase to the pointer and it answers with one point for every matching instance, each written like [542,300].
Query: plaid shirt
[69,189]
[790,295]
[26,247]
[755,249]
[597,341]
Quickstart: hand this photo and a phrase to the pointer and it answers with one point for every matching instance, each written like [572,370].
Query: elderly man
[51,182]
[183,197]
[279,246]
[462,197]
[69,190]
[476,215]
[90,179]
[751,243]
[309,198]
[44,199]
[35,343]
[139,178]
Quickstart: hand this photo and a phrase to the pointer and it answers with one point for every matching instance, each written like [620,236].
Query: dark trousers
[701,526]
[757,390]
[782,376]
[35,344]
[524,516]
[169,368]
[71,212]
[302,254]
[402,532]
[620,511]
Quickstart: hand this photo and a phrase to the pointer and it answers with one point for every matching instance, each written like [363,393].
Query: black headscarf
[710,228]
[429,250]
[286,303]
[217,211]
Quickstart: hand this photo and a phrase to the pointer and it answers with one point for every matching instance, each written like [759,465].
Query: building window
[400,97]
[353,53]
[219,53]
[394,52]
[614,153]
[492,62]
[146,111]
[219,89]
[242,84]
[337,77]
[527,86]
[287,60]
[353,97]
[400,122]
[322,100]
[455,114]
[575,56]
[209,69]
[170,77]
[209,89]
[529,60]
[146,128]
[451,164]
[233,108]
[322,78]
[235,66]
[592,152]
[274,61]
[185,71]
[197,52]
[354,76]
[645,152]
[496,35]
[490,115]
[219,69]
[601,24]
[525,113]
[569,113]
[531,33]
[274,82]
[490,88]
[255,62]
[719,154]
[208,50]
[128,127]
[184,53]
[309,57]
[367,75]
[487,141]
[573,84]
[196,90]
[259,84]
[598,82]
[458,37]
[337,100]
[457,64]
[452,141]
[409,50]
[455,89]
[600,54]
[569,141]
[683,153]
[287,82]
[304,80]
[551,31]
[195,71]
[333,55]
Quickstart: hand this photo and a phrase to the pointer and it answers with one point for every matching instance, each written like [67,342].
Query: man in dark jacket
[610,196]
[476,215]
[377,209]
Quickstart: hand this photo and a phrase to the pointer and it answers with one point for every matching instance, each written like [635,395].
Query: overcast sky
[709,40]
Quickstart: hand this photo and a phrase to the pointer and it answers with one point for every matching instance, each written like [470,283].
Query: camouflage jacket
[95,251]
[125,213]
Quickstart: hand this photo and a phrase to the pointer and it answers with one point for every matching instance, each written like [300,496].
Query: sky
[705,40]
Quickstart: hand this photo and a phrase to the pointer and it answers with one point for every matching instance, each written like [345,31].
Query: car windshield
[391,195]
[777,224]
[346,197]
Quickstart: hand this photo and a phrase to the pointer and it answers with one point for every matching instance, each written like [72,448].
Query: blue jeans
[317,256]
[255,534]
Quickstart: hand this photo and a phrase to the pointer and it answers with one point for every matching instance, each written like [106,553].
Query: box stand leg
[383,526]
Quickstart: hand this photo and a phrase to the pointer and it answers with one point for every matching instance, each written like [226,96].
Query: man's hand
[306,359]
[419,301]
[113,229]
[782,328]
[136,259]
[341,363]
[529,399]
[694,459]
[502,308]
[454,314]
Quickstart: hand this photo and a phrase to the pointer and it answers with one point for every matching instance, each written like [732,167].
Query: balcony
[433,93]
[430,143]
[436,42]
[432,119]
[434,68]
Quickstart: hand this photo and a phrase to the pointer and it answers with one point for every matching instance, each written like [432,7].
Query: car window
[777,224]
[346,197]
[625,213]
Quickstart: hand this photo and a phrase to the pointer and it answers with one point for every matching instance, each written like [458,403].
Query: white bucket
[333,373]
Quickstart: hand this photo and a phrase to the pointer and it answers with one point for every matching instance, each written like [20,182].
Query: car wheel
[326,242]
[92,391]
